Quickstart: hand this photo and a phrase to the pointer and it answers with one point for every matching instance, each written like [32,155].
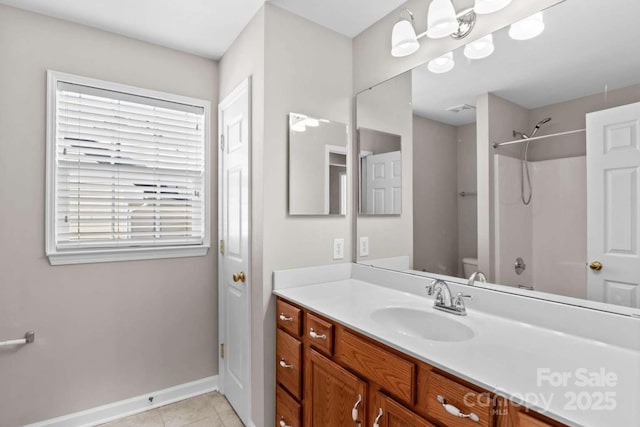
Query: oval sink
[422,324]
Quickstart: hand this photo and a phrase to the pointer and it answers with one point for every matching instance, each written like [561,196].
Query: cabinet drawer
[390,413]
[394,374]
[288,363]
[288,411]
[468,401]
[319,334]
[289,317]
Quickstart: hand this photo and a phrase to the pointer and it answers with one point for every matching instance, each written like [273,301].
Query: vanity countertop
[516,360]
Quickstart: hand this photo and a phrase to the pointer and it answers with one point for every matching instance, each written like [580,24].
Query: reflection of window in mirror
[380,172]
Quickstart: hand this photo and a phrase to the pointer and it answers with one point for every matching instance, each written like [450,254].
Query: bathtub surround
[105,332]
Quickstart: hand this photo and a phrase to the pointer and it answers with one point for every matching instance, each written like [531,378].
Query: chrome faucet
[444,301]
[479,276]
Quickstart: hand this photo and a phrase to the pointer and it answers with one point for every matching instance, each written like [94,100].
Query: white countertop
[504,356]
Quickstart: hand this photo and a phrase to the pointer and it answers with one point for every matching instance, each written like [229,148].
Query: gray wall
[468,205]
[296,66]
[104,332]
[435,222]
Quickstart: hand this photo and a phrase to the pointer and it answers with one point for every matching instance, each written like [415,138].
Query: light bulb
[403,39]
[441,20]
[480,48]
[483,7]
[527,28]
[441,64]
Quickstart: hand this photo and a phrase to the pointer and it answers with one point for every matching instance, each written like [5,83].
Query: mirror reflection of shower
[524,164]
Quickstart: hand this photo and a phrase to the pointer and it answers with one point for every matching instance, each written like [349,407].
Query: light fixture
[312,123]
[441,20]
[441,64]
[527,28]
[480,48]
[403,37]
[482,7]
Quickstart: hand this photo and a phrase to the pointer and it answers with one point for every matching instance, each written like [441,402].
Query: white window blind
[129,170]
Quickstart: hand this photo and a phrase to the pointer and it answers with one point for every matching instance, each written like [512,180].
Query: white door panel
[613,204]
[233,258]
[383,183]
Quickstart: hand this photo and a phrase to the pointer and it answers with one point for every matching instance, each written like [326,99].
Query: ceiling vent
[460,108]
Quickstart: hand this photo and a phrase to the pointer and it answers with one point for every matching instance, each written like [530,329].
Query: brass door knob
[596,266]
[239,277]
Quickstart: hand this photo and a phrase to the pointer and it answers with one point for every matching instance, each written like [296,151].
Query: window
[128,172]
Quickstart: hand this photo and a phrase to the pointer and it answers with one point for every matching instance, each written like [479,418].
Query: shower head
[537,126]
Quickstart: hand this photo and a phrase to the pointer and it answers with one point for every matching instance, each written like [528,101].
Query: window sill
[133,254]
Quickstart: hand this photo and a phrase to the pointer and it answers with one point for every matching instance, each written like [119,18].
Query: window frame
[94,255]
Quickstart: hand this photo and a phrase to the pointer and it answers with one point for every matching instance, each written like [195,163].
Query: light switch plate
[364,246]
[338,248]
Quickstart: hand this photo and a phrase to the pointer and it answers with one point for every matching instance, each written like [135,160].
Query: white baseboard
[123,408]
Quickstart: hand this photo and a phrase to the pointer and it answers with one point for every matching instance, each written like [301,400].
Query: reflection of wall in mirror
[387,108]
[445,224]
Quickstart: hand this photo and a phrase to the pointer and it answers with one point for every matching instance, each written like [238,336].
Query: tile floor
[207,410]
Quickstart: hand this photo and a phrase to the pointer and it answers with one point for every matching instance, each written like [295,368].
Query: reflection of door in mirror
[380,173]
[613,164]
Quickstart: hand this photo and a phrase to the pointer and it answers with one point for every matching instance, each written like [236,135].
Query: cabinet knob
[285,318]
[284,364]
[316,336]
[354,411]
[376,422]
[455,411]
[282,423]
[239,277]
[596,266]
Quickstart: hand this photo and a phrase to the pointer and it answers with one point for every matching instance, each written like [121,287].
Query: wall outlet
[338,248]
[364,246]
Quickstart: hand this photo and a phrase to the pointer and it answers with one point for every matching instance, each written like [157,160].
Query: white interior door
[613,205]
[233,256]
[383,183]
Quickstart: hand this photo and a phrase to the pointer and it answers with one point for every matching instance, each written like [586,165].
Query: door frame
[238,91]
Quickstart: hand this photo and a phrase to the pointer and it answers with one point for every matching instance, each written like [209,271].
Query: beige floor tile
[188,411]
[143,419]
[213,421]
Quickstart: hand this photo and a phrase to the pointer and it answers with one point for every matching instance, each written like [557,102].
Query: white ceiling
[348,17]
[202,27]
[586,46]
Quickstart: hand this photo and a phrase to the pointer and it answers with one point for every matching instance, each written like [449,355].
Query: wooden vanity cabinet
[333,396]
[339,375]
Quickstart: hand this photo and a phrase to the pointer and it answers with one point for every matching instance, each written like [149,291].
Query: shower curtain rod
[535,138]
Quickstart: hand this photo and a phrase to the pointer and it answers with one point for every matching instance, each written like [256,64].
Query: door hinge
[222,247]
[222,351]
[221,142]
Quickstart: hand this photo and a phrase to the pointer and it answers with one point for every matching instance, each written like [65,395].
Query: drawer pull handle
[285,318]
[282,423]
[455,411]
[375,423]
[284,364]
[316,336]
[354,411]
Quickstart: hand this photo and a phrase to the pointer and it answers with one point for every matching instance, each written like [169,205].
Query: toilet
[469,266]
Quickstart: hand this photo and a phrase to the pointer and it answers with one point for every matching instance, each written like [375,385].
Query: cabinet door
[331,394]
[389,413]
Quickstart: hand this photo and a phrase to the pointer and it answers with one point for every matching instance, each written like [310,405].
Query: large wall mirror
[524,165]
[317,166]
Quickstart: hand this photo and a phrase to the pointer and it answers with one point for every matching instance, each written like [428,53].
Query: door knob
[239,277]
[596,266]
